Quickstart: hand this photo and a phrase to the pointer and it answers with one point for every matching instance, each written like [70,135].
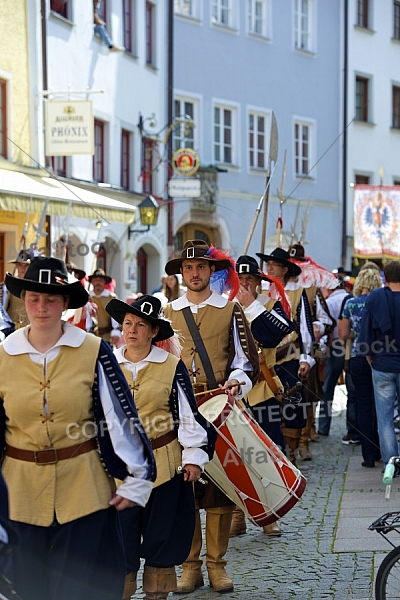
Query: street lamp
[148,209]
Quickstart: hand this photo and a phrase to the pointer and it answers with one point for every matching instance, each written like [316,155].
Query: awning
[21,192]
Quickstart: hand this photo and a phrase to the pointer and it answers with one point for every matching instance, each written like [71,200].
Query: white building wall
[77,60]
[373,53]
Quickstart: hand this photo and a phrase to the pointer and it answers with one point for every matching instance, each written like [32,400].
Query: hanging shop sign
[69,127]
[185,161]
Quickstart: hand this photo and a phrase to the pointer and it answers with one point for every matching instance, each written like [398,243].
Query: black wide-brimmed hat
[48,276]
[100,273]
[297,252]
[194,249]
[281,256]
[76,271]
[148,308]
[24,257]
[247,265]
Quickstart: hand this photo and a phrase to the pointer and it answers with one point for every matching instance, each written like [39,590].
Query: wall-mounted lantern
[148,209]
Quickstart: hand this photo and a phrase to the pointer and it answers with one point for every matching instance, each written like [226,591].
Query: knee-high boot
[130,586]
[238,525]
[218,524]
[158,582]
[292,440]
[192,577]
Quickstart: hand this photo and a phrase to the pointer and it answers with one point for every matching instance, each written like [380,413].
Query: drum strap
[201,349]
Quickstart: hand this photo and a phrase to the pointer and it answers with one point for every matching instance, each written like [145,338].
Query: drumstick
[228,387]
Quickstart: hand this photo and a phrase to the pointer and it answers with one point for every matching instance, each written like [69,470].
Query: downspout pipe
[345,138]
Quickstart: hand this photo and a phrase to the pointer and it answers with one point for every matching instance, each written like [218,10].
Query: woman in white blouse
[68,427]
[162,532]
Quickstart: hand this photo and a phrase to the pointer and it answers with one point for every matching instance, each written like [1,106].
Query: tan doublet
[103,320]
[214,326]
[151,390]
[15,308]
[38,492]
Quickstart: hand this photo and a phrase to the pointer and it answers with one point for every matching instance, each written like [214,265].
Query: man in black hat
[230,361]
[294,353]
[12,310]
[269,324]
[104,326]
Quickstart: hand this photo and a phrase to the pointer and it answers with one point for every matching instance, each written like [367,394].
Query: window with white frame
[183,132]
[257,17]
[224,134]
[396,19]
[302,148]
[303,24]
[362,99]
[222,13]
[129,25]
[362,16]
[187,8]
[257,123]
[150,33]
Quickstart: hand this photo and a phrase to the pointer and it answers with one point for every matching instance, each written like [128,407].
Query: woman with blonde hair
[171,290]
[360,371]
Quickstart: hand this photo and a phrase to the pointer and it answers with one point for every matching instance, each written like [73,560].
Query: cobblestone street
[305,562]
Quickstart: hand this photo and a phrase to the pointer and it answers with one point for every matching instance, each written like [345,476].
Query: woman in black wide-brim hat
[162,532]
[68,423]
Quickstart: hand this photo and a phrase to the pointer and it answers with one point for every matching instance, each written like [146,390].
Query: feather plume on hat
[226,280]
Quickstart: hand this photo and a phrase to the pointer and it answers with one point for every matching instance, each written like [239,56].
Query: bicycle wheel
[387,584]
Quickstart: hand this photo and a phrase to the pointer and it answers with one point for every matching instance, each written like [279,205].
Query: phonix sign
[69,127]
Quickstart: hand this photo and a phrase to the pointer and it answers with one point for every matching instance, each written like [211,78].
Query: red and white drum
[249,468]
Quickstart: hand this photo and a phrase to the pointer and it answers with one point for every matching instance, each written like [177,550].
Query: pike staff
[273,155]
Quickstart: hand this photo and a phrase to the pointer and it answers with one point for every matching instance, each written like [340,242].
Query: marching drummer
[218,350]
[269,322]
[172,422]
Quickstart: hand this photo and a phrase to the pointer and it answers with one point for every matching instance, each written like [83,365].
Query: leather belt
[272,372]
[163,440]
[50,456]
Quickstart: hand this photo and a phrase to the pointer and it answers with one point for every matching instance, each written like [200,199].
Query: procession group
[86,509]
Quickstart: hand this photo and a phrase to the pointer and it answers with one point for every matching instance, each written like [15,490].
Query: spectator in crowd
[334,362]
[101,29]
[171,289]
[380,334]
[60,480]
[360,371]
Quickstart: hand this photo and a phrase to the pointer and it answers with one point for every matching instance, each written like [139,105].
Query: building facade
[88,199]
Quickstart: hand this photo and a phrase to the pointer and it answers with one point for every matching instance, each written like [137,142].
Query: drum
[249,468]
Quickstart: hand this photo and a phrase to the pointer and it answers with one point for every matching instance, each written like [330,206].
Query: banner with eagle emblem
[376,221]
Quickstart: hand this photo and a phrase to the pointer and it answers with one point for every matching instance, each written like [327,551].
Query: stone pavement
[326,550]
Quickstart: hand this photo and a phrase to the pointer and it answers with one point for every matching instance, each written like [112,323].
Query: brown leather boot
[218,524]
[238,525]
[192,577]
[303,451]
[272,529]
[158,582]
[292,440]
[130,585]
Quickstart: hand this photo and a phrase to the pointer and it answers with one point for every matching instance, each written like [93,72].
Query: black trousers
[162,531]
[80,560]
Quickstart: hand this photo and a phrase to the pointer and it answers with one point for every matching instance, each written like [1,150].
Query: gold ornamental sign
[185,161]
